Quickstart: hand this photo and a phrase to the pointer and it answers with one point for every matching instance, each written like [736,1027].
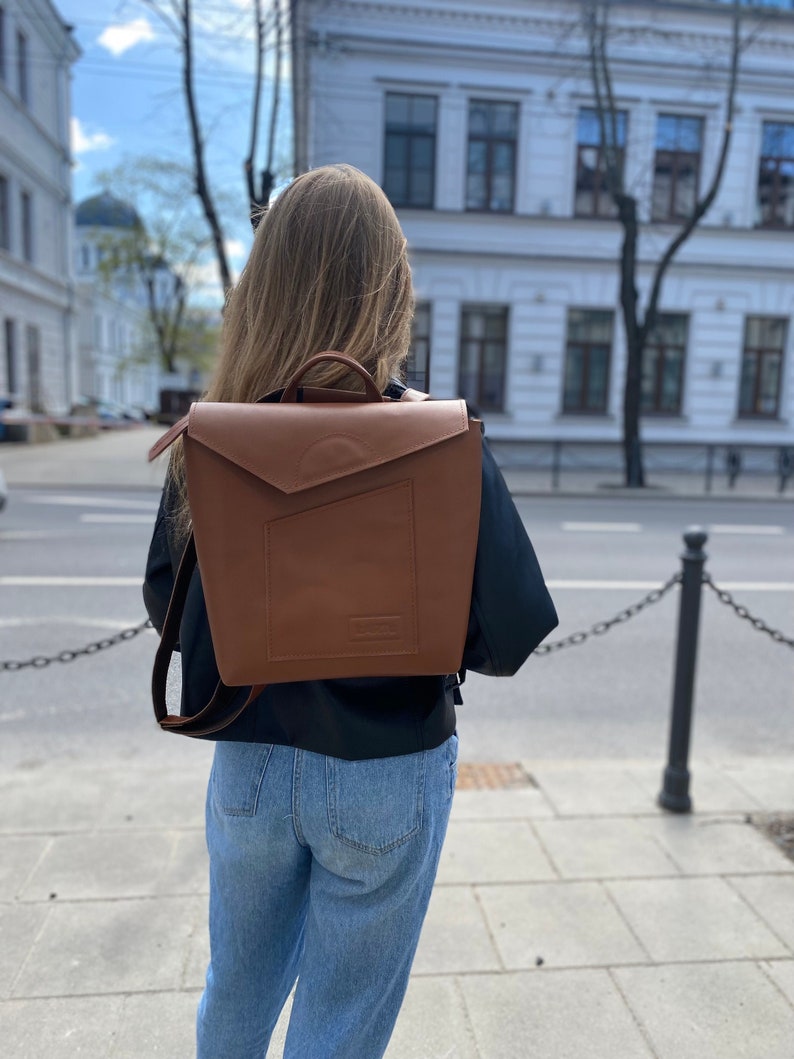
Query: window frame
[411,134]
[26,225]
[23,67]
[418,378]
[761,354]
[581,407]
[478,398]
[662,349]
[776,198]
[492,141]
[5,213]
[676,157]
[3,64]
[10,352]
[600,187]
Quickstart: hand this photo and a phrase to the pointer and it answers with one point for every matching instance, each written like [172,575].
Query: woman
[328,801]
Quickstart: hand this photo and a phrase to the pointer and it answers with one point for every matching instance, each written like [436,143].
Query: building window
[775,200]
[410,149]
[491,168]
[762,366]
[26,202]
[2,44]
[5,215]
[33,337]
[593,198]
[676,167]
[23,79]
[417,368]
[11,356]
[483,356]
[587,357]
[663,365]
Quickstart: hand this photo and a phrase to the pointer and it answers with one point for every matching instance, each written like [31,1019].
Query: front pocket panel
[376,805]
[341,579]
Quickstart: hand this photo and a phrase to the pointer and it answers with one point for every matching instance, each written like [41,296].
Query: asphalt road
[71,563]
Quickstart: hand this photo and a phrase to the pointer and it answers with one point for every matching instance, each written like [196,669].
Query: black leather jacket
[511,613]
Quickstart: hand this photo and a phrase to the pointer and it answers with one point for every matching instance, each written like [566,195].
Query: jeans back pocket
[376,804]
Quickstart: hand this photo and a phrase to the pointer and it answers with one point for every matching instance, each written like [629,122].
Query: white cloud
[83,140]
[123,36]
[236,248]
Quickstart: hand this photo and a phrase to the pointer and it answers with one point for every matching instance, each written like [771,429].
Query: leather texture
[334,539]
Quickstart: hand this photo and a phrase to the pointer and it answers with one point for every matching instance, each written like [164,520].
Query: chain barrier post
[674,795]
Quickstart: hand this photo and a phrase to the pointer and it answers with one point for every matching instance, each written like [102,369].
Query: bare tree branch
[704,204]
[248,165]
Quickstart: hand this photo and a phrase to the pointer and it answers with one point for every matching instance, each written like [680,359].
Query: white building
[37,363]
[116,351]
[477,119]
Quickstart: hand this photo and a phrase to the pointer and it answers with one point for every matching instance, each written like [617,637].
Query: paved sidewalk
[117,459]
[571,919]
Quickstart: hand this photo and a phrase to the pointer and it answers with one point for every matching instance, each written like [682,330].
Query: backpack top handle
[372,391]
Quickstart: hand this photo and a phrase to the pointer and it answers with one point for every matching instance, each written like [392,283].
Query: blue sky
[127,100]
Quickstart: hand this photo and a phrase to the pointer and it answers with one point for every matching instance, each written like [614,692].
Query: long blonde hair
[328,271]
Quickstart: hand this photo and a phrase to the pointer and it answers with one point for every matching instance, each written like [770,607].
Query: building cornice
[563,27]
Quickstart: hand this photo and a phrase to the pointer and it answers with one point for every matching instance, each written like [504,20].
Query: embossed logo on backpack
[388,627]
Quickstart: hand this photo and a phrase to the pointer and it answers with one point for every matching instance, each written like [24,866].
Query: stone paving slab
[781,972]
[716,846]
[724,1011]
[455,937]
[551,1015]
[582,789]
[492,851]
[110,946]
[603,849]
[65,1028]
[115,864]
[693,919]
[434,1021]
[564,924]
[772,899]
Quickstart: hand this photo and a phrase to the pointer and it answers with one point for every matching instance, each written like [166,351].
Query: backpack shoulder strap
[219,711]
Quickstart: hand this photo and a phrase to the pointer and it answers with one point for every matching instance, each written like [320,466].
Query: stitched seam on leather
[196,435]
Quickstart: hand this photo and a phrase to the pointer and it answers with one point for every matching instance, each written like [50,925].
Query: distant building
[478,120]
[116,354]
[37,359]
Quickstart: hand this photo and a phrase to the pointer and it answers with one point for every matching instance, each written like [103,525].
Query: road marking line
[25,581]
[601,527]
[28,535]
[646,586]
[86,501]
[118,519]
[65,619]
[768,531]
[30,581]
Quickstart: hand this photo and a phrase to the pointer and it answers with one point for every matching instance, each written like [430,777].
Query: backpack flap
[298,446]
[335,539]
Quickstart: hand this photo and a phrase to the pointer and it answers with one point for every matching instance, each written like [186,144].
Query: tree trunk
[633,467]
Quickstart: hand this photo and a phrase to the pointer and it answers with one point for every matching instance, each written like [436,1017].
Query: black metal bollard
[675,790]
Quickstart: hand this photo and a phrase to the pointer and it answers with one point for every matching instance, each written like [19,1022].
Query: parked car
[107,411]
[3,491]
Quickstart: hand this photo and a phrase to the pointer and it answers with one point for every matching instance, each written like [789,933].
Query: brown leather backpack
[335,533]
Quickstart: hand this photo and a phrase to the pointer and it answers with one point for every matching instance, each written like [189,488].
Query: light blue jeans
[321,870]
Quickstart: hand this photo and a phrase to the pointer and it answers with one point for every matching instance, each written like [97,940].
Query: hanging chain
[744,613]
[604,626]
[41,661]
[576,638]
